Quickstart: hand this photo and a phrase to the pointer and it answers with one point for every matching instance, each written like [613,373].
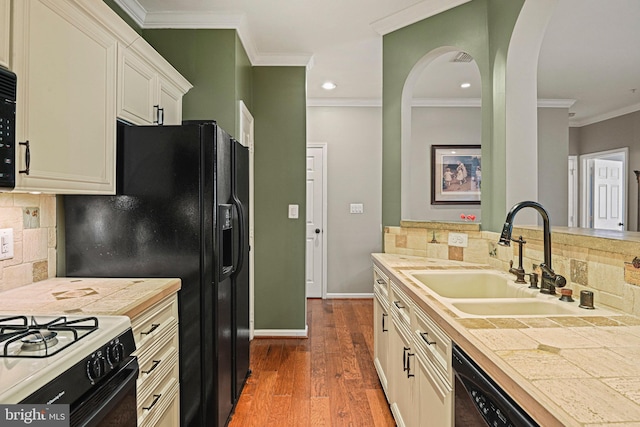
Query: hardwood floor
[327,379]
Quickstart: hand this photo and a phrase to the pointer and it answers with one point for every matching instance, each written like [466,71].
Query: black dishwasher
[479,401]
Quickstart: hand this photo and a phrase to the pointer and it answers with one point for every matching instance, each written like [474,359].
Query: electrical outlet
[458,239]
[6,243]
[356,208]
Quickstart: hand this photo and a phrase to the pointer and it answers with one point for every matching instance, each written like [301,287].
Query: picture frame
[456,174]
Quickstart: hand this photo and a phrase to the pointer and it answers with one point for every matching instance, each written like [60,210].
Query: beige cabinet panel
[156,333]
[5,32]
[402,377]
[66,67]
[150,90]
[137,89]
[171,103]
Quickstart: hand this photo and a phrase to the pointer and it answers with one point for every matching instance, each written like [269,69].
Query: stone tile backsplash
[33,220]
[599,264]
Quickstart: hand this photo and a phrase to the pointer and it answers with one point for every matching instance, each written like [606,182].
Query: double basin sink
[489,293]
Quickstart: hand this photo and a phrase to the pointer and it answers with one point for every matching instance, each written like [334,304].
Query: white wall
[438,126]
[354,144]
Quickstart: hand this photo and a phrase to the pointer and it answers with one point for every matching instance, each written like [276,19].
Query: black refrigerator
[181,210]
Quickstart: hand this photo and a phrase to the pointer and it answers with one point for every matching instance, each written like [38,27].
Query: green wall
[481,28]
[279,108]
[208,59]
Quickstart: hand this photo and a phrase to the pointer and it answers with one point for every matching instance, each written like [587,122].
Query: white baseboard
[345,296]
[282,333]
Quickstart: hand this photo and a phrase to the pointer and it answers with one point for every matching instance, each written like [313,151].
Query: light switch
[293,211]
[6,243]
[356,208]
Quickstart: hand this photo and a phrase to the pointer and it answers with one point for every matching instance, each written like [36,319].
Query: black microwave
[7,129]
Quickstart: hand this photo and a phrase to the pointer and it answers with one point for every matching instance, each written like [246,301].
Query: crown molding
[213,21]
[606,116]
[344,102]
[446,102]
[413,14]
[133,9]
[556,103]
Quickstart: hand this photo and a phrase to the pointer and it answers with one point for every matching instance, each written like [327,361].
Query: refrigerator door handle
[241,233]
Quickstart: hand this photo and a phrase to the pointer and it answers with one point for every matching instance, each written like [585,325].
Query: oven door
[111,404]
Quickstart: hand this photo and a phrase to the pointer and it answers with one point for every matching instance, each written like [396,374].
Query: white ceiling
[591,50]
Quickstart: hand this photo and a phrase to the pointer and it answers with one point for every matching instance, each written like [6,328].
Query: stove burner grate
[41,337]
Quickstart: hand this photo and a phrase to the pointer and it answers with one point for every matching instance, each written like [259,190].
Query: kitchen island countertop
[90,296]
[565,371]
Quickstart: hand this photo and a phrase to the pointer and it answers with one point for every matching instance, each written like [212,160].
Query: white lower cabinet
[156,335]
[417,376]
[402,378]
[381,328]
[435,375]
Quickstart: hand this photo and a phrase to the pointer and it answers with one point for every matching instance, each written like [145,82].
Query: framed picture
[456,174]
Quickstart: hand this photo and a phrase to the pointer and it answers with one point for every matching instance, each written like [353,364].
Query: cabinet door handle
[409,374]
[159,115]
[384,316]
[154,326]
[400,306]
[153,366]
[425,337]
[381,282]
[156,397]
[405,359]
[27,158]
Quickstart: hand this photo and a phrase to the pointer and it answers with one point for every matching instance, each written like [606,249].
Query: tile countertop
[564,371]
[90,296]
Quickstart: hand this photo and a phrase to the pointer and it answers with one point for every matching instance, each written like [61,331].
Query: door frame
[620,154]
[324,147]
[573,219]
[245,116]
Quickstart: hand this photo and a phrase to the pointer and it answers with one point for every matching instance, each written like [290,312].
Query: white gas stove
[57,359]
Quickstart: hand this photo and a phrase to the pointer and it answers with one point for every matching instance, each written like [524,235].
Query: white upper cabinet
[150,90]
[5,32]
[79,67]
[65,109]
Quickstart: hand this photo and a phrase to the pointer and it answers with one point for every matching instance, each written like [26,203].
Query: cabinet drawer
[382,299]
[380,282]
[153,361]
[401,306]
[433,343]
[150,399]
[167,415]
[154,323]
[433,375]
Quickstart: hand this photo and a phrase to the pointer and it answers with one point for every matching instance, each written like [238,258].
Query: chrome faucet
[550,280]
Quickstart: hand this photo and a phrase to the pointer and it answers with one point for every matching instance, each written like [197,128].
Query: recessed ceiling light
[328,85]
[465,85]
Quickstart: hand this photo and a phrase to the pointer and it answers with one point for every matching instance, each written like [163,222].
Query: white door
[607,195]
[314,269]
[246,139]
